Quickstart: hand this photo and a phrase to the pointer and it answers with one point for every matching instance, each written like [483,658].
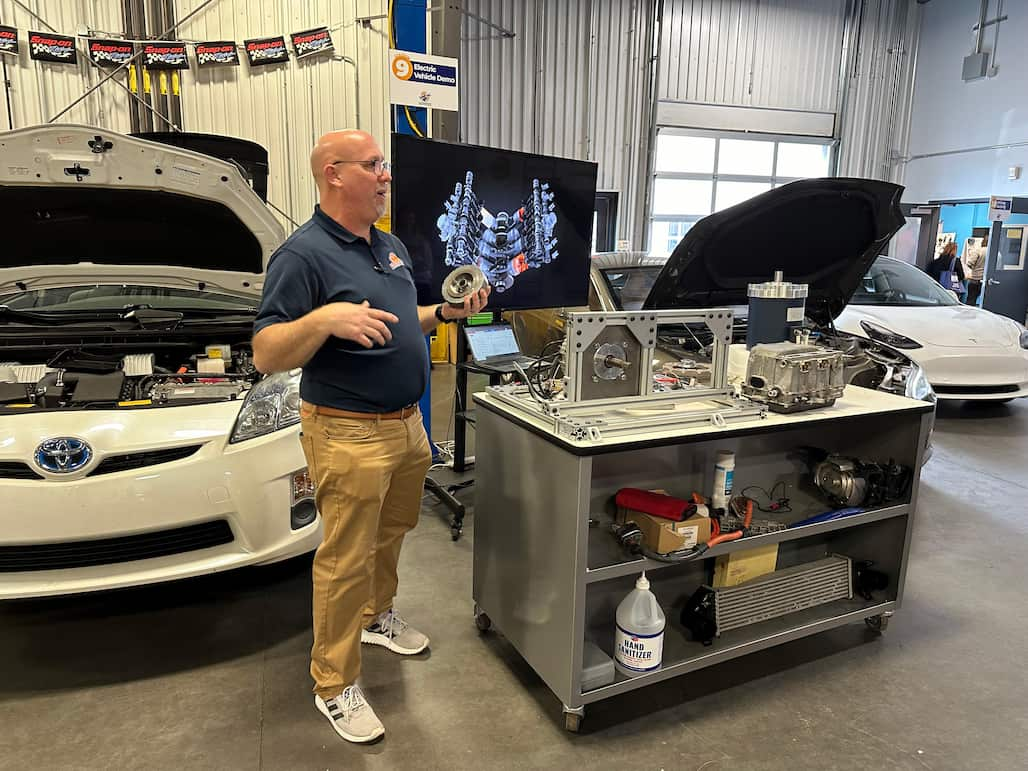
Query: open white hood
[81,203]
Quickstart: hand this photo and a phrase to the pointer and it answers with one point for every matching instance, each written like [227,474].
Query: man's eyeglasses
[378,167]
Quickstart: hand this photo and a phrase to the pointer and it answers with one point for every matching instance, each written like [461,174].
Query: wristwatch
[439,314]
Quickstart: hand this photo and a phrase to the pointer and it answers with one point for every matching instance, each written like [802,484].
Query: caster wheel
[482,621]
[455,533]
[572,722]
[878,623]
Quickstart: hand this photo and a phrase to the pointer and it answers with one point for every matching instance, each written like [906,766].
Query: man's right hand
[361,323]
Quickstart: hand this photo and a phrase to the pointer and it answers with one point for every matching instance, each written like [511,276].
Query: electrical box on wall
[975,66]
[1014,172]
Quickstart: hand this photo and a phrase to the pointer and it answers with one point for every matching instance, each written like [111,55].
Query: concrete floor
[212,672]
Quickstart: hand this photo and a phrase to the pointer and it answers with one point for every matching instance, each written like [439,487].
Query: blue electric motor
[776,309]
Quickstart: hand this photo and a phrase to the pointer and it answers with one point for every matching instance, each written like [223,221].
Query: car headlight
[272,404]
[1023,340]
[918,386]
[888,337]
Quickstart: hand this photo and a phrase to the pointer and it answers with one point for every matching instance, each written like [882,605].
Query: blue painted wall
[961,218]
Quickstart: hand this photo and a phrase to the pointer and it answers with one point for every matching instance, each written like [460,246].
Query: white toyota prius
[138,443]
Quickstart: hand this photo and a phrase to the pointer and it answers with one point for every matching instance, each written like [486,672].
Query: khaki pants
[370,475]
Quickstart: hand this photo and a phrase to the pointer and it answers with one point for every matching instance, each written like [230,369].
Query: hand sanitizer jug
[639,633]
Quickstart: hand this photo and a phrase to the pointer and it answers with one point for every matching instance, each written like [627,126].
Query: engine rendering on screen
[504,245]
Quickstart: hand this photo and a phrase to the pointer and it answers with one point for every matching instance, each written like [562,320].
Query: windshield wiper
[152,318]
[35,317]
[240,311]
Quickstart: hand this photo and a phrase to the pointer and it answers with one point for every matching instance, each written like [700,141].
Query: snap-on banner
[47,47]
[8,41]
[217,53]
[109,53]
[313,41]
[165,55]
[266,50]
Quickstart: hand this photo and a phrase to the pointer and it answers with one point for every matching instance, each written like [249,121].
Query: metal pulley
[464,280]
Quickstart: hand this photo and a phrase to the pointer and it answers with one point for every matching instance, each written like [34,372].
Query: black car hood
[821,232]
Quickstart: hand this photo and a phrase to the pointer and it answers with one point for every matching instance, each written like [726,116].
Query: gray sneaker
[351,716]
[392,632]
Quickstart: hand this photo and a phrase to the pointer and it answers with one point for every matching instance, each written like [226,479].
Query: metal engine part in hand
[837,478]
[609,362]
[789,377]
[462,281]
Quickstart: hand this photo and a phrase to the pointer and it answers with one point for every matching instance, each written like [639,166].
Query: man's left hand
[473,303]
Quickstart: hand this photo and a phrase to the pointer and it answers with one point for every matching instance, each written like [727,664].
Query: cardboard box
[741,566]
[664,535]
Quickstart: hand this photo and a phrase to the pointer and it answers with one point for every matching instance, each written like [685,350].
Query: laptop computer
[494,347]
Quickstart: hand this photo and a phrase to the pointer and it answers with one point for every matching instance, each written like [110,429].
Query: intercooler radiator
[711,612]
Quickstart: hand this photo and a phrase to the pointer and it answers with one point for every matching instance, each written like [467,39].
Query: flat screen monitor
[525,220]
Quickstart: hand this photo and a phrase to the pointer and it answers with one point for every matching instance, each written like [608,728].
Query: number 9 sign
[402,68]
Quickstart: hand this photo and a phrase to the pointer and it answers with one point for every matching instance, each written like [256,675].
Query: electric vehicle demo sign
[421,80]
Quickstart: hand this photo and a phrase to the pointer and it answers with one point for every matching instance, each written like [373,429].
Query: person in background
[946,261]
[975,270]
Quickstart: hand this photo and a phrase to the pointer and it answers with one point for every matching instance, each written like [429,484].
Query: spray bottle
[639,633]
[724,471]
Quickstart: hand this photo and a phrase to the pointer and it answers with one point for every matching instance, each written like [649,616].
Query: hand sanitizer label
[638,653]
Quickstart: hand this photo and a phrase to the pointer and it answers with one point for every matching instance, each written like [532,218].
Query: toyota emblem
[63,455]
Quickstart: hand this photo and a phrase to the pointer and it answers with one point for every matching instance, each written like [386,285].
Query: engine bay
[92,377]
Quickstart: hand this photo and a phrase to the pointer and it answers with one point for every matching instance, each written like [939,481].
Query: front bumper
[246,485]
[984,373]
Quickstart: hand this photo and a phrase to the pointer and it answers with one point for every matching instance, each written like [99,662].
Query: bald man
[339,301]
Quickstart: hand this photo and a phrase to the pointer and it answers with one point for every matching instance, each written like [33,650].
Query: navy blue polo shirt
[323,262]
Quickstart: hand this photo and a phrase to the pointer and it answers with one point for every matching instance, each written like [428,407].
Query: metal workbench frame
[548,581]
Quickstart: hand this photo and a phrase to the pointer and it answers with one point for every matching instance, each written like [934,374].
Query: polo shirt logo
[394,261]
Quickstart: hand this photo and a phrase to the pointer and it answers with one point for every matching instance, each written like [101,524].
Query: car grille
[109,465]
[980,390]
[13,469]
[115,463]
[109,551]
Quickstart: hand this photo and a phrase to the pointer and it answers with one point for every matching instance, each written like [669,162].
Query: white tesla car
[966,352]
[137,441]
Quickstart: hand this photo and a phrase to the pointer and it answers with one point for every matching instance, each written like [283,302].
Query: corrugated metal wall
[287,107]
[757,53]
[574,81]
[39,90]
[879,89]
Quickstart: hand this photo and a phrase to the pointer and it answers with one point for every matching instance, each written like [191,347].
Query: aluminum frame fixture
[637,409]
[584,329]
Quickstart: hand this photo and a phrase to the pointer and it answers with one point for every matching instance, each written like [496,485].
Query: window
[701,172]
[605,221]
[891,282]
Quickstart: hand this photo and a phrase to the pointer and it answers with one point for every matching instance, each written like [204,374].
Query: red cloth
[664,506]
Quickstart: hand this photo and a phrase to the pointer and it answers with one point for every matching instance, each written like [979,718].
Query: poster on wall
[266,50]
[109,53]
[217,53]
[8,41]
[311,42]
[165,55]
[46,47]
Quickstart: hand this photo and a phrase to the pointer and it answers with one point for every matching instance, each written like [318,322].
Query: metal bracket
[98,145]
[76,171]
